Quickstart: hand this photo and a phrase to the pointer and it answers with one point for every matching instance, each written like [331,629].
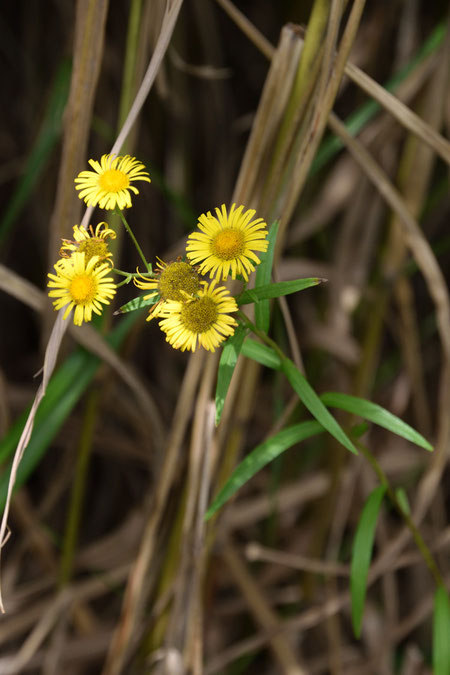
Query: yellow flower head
[227,243]
[204,319]
[174,281]
[83,285]
[89,242]
[109,185]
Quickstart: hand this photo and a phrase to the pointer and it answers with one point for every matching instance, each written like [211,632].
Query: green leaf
[262,455]
[362,554]
[402,499]
[227,364]
[315,406]
[275,291]
[137,303]
[64,390]
[376,414]
[263,277]
[441,633]
[261,354]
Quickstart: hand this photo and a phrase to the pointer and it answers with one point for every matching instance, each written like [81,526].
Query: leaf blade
[362,554]
[276,290]
[441,632]
[260,457]
[227,364]
[315,406]
[376,414]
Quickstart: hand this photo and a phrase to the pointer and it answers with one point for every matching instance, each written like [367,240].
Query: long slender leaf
[262,455]
[275,290]
[137,303]
[441,633]
[263,277]
[64,390]
[362,554]
[228,360]
[261,354]
[376,414]
[315,406]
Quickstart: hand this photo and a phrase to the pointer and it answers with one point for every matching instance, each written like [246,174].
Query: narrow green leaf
[441,633]
[262,455]
[263,277]
[64,390]
[362,554]
[261,354]
[275,290]
[227,364]
[402,499]
[376,414]
[137,303]
[315,406]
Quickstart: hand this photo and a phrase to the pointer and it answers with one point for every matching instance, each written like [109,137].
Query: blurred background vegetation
[110,568]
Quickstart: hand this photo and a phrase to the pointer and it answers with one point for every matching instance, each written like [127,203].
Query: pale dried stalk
[60,326]
[133,601]
[263,614]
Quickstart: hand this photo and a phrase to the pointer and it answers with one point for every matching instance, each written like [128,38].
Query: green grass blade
[269,291]
[261,354]
[315,406]
[441,633]
[362,554]
[228,360]
[263,277]
[261,456]
[64,390]
[47,138]
[376,414]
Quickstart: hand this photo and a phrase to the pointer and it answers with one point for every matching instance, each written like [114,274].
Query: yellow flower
[204,319]
[110,182]
[227,243]
[174,281]
[82,285]
[89,242]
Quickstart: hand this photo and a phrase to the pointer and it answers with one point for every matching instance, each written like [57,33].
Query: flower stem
[135,242]
[421,545]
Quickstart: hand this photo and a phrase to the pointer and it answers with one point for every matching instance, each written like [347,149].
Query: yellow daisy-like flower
[109,185]
[83,285]
[175,281]
[89,242]
[204,319]
[227,243]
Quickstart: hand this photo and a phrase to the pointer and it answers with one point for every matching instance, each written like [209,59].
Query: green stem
[135,242]
[131,275]
[261,334]
[421,545]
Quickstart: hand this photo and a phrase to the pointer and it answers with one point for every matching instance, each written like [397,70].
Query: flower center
[228,244]
[199,315]
[91,247]
[176,278]
[113,181]
[82,289]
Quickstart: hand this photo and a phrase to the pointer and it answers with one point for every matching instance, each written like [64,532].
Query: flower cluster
[80,281]
[191,310]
